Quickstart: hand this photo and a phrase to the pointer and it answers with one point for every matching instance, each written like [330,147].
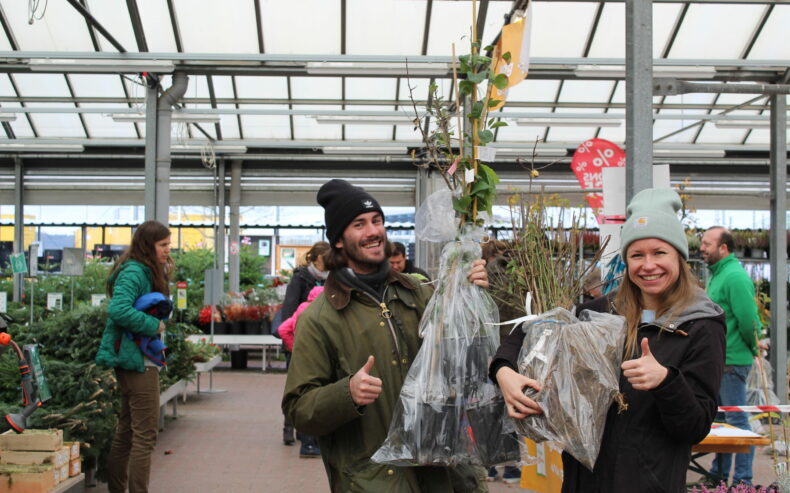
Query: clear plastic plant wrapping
[577,362]
[760,384]
[449,412]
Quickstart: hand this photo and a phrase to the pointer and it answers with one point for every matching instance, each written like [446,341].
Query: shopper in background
[673,360]
[309,274]
[396,251]
[732,288]
[144,267]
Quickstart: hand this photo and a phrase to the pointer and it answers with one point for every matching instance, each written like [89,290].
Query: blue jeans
[733,393]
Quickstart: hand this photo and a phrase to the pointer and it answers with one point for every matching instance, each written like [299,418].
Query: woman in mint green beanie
[144,267]
[673,360]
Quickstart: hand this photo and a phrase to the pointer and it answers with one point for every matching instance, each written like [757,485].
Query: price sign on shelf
[181,299]
[588,162]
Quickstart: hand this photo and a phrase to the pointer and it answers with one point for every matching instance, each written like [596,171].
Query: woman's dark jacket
[647,448]
[298,289]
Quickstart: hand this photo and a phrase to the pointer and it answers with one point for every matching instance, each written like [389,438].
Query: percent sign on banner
[588,161]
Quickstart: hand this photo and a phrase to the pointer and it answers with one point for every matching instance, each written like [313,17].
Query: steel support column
[235,202]
[19,224]
[151,99]
[219,240]
[638,96]
[779,243]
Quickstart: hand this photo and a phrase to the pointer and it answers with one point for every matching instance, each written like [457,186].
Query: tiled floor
[232,442]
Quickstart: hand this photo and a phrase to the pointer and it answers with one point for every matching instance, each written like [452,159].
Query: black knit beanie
[342,202]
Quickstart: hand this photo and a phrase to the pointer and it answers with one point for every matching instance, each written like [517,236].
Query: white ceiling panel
[113,15]
[229,124]
[155,18]
[590,91]
[307,128]
[301,26]
[261,87]
[772,41]
[384,27]
[61,28]
[266,126]
[715,31]
[102,125]
[534,90]
[557,34]
[370,88]
[208,26]
[317,88]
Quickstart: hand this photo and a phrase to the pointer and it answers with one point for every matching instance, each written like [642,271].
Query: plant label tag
[96,299]
[55,301]
[3,301]
[18,264]
[469,175]
[486,154]
[181,299]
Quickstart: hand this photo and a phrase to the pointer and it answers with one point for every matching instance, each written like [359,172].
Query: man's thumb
[645,348]
[369,364]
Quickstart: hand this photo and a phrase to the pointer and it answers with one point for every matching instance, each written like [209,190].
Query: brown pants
[135,437]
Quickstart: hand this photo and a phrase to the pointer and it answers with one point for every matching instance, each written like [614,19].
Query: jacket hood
[700,307]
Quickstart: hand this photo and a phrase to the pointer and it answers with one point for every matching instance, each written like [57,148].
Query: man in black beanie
[354,346]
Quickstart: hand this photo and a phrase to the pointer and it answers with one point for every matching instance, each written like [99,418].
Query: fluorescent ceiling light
[618,71]
[742,124]
[568,122]
[100,65]
[177,116]
[7,117]
[365,150]
[688,152]
[363,120]
[33,147]
[197,149]
[526,153]
[365,68]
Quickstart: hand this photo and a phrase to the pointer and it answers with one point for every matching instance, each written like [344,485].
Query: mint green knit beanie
[652,213]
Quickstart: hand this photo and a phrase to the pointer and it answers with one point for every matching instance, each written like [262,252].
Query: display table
[724,439]
[74,484]
[170,395]
[204,367]
[264,341]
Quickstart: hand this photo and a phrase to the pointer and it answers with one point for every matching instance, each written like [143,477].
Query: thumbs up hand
[364,387]
[646,372]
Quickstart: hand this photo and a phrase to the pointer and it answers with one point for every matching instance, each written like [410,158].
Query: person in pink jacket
[288,327]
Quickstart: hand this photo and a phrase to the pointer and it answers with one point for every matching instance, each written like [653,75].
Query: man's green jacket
[334,337]
[732,288]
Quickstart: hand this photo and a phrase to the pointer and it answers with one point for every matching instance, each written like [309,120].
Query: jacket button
[382,324]
[394,362]
[390,472]
[405,361]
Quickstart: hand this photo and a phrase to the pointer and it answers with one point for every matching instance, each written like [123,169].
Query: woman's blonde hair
[628,301]
[319,249]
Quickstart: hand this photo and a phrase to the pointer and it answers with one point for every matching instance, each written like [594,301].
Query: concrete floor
[232,442]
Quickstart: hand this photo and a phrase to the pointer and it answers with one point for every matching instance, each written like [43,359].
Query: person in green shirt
[732,288]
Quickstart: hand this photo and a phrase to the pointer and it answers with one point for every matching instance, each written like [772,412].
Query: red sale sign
[588,161]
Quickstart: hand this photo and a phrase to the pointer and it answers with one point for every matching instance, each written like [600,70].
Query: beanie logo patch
[641,222]
[367,204]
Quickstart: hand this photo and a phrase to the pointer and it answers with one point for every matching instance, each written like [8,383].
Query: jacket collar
[339,293]
[718,266]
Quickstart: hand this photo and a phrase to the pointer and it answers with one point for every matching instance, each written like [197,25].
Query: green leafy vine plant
[457,159]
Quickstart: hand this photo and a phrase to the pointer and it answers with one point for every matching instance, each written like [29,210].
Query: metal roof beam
[96,24]
[137,25]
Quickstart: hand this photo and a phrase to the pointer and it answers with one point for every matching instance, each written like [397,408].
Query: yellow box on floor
[28,479]
[41,440]
[27,458]
[545,476]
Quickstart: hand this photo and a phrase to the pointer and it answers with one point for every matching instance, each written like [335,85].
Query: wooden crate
[41,440]
[75,449]
[27,479]
[29,458]
[75,467]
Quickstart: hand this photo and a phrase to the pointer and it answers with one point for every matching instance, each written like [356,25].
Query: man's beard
[355,253]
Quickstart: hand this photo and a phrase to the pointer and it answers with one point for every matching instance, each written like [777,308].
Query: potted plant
[694,242]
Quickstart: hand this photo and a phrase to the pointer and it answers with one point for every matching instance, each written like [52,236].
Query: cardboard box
[75,467]
[64,471]
[27,479]
[28,458]
[42,440]
[75,449]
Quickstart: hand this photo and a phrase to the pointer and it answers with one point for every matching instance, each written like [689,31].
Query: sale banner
[588,162]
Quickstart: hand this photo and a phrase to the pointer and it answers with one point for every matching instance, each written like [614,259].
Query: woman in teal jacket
[144,267]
